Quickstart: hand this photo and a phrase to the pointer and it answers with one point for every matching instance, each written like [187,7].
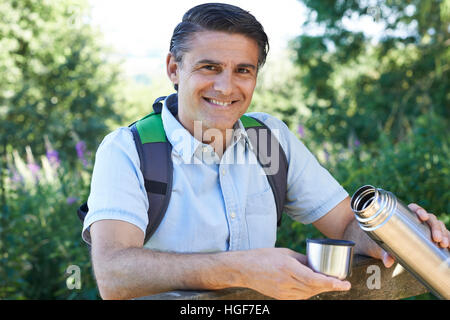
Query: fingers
[421,212]
[387,259]
[436,228]
[306,293]
[318,282]
[321,283]
[443,236]
[288,277]
[439,232]
[378,253]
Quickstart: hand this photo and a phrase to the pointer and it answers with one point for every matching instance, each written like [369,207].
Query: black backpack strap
[155,164]
[157,169]
[271,157]
[82,211]
[157,105]
[155,155]
[171,103]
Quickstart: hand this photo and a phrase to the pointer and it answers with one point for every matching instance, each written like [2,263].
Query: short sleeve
[312,191]
[117,185]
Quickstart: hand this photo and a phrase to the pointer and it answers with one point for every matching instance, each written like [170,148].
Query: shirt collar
[240,134]
[184,143]
[181,140]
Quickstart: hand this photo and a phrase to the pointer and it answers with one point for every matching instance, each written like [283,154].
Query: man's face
[216,79]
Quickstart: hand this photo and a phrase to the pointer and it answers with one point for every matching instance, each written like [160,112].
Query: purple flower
[81,148]
[301,131]
[53,157]
[357,143]
[34,168]
[71,200]
[17,177]
[52,154]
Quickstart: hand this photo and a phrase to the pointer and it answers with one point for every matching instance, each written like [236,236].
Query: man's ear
[172,68]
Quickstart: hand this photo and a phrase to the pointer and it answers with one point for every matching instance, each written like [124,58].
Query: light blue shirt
[216,204]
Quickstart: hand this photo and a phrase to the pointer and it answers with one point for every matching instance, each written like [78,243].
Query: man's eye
[210,68]
[243,70]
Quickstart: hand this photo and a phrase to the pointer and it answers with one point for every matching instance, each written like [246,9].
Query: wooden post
[370,281]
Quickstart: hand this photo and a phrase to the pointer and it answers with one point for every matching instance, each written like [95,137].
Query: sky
[139,31]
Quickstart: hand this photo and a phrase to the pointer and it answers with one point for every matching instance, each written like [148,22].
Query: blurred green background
[373,112]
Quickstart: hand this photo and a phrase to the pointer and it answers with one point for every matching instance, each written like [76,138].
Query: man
[220,226]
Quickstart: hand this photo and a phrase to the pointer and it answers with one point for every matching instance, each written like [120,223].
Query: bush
[415,169]
[40,229]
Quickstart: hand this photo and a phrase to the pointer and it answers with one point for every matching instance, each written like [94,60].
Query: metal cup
[330,256]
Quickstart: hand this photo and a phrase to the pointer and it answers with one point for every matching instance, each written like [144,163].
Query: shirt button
[223,172]
[233,215]
[205,149]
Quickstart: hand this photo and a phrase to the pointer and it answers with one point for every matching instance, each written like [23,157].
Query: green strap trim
[151,129]
[249,122]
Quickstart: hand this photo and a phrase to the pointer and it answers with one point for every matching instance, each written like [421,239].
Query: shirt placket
[231,198]
[231,207]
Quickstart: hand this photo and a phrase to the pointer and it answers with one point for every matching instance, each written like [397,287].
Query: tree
[54,77]
[358,87]
[277,91]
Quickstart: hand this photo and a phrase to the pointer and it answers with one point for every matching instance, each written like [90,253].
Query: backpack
[156,165]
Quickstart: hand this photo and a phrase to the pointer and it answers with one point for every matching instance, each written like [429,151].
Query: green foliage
[140,98]
[277,91]
[415,169]
[380,109]
[54,76]
[40,232]
[293,235]
[357,88]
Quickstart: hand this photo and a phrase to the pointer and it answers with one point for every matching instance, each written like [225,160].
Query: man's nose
[224,83]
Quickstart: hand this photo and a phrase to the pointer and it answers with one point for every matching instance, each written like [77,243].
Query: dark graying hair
[218,17]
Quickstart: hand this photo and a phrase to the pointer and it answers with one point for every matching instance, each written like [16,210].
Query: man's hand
[282,274]
[439,233]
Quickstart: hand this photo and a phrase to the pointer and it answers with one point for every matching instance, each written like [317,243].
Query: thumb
[298,256]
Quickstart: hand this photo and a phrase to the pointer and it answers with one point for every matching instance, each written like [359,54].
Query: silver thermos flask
[400,233]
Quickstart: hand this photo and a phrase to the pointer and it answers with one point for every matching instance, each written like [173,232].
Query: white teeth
[224,104]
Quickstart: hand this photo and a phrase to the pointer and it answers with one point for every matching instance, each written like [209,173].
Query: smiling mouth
[219,103]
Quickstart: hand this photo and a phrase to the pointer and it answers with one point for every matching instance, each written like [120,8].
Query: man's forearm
[363,244]
[136,272]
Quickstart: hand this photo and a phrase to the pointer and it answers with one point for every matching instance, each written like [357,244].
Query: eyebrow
[240,65]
